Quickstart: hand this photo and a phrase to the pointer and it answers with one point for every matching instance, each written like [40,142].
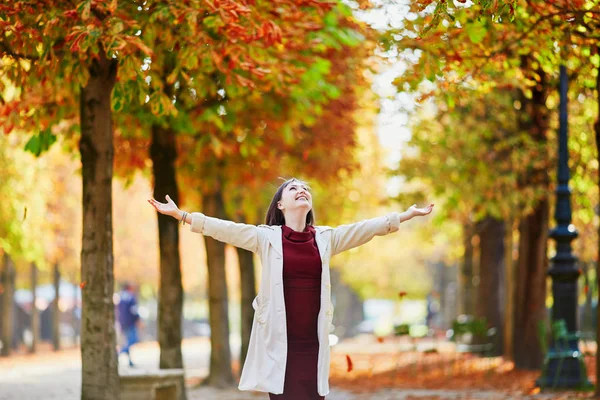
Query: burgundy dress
[302,293]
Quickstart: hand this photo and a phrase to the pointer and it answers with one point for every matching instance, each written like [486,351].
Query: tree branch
[6,50]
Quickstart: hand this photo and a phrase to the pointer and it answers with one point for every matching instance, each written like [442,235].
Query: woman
[288,355]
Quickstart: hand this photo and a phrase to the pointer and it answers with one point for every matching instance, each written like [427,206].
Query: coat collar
[275,240]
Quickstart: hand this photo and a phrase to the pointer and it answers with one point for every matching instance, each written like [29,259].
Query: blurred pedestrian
[433,307]
[288,355]
[128,317]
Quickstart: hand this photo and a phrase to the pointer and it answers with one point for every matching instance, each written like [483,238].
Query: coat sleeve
[346,237]
[239,235]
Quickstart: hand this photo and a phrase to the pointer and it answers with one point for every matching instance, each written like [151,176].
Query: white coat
[264,369]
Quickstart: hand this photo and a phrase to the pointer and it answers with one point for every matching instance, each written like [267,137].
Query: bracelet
[183,218]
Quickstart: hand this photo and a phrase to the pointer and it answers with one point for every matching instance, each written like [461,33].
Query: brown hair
[275,215]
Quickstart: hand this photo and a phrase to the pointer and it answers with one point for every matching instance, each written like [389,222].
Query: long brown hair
[275,215]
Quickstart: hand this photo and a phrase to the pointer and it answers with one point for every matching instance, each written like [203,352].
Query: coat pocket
[260,309]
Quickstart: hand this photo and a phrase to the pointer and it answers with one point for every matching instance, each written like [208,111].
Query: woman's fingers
[157,205]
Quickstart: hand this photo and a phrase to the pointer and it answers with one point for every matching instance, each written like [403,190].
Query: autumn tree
[285,118]
[464,47]
[240,80]
[65,63]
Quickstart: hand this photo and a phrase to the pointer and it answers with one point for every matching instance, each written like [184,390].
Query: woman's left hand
[415,211]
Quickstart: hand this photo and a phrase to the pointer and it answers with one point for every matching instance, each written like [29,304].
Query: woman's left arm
[346,237]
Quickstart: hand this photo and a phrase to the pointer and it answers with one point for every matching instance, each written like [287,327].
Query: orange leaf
[535,390]
[379,339]
[349,362]
[82,284]
[402,294]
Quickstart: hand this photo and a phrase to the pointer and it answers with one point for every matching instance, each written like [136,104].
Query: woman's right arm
[239,235]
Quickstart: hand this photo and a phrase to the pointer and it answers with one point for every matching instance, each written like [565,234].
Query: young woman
[288,355]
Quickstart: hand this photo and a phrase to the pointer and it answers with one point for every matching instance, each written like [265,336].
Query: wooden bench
[160,384]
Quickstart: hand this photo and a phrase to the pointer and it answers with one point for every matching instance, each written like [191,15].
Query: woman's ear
[279,206]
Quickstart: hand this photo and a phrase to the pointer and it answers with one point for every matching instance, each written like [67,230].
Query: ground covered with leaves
[367,364]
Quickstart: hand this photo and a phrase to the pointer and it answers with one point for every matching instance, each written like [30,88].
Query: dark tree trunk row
[56,309]
[491,277]
[248,292]
[597,134]
[220,374]
[530,303]
[8,291]
[35,315]
[163,153]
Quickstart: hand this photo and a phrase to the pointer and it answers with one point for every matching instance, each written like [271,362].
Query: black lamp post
[563,365]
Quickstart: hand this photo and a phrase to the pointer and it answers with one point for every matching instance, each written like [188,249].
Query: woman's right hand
[168,208]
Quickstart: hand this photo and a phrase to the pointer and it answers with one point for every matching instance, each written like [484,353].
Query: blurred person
[128,319]
[433,307]
[288,355]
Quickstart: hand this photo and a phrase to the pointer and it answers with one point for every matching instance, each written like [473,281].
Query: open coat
[264,369]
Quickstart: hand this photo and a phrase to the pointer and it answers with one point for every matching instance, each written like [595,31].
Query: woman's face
[295,196]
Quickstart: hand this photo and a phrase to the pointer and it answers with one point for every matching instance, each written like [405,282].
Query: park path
[49,375]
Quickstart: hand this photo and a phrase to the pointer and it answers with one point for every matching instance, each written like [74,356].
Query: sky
[395,107]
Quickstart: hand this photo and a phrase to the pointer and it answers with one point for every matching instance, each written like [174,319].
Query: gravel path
[49,375]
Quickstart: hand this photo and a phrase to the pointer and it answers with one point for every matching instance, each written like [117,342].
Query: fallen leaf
[402,294]
[82,284]
[349,362]
[379,339]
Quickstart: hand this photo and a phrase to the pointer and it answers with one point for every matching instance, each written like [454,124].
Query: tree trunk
[75,323]
[220,374]
[584,320]
[467,289]
[530,304]
[35,315]
[56,309]
[509,298]
[597,132]
[8,286]
[170,293]
[532,266]
[248,288]
[100,378]
[491,277]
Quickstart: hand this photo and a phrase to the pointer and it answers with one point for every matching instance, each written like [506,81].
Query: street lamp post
[563,366]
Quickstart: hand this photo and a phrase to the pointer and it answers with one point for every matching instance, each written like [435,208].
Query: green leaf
[40,142]
[117,100]
[85,9]
[344,10]
[476,32]
[288,134]
[156,104]
[213,22]
[116,27]
[331,19]
[190,62]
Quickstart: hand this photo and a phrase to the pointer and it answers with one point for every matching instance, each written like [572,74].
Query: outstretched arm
[238,235]
[346,237]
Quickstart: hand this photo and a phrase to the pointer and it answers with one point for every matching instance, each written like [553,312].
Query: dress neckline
[305,236]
